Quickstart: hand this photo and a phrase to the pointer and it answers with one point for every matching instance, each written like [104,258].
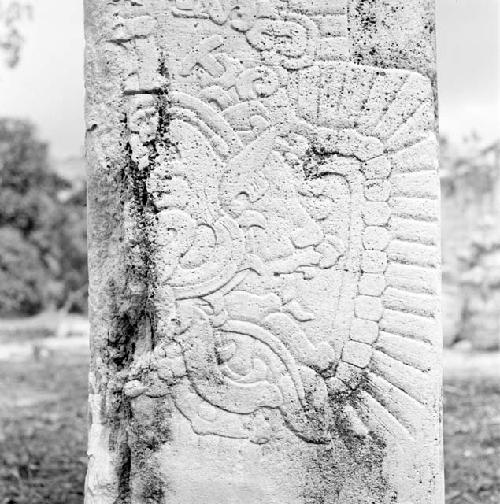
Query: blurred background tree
[470,181]
[12,13]
[42,228]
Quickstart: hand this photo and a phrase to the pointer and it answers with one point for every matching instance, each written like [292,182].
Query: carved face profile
[242,248]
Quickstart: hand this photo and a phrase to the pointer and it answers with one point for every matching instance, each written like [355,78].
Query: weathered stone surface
[392,33]
[264,300]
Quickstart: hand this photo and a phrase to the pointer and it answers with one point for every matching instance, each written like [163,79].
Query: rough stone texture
[264,254]
[392,33]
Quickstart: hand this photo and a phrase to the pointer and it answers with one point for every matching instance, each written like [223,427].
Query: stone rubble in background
[471,246]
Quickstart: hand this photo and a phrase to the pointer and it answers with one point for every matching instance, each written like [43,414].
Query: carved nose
[308,236]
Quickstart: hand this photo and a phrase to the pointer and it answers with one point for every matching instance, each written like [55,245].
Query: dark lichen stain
[124,469]
[350,468]
[149,430]
[367,13]
[375,31]
[316,157]
[134,438]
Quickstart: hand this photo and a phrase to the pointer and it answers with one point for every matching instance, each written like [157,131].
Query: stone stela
[264,253]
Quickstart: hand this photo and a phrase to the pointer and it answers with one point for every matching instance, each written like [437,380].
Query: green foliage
[42,235]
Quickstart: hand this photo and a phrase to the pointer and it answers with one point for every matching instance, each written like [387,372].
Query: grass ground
[43,431]
[472,440]
[43,421]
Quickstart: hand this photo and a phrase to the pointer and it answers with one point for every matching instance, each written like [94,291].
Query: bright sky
[47,86]
[469,67]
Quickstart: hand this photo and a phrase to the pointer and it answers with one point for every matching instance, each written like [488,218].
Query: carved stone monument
[263,207]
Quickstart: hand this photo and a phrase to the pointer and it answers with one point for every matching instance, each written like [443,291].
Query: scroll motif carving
[282,39]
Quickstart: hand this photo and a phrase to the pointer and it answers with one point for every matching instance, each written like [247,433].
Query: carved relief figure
[260,218]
